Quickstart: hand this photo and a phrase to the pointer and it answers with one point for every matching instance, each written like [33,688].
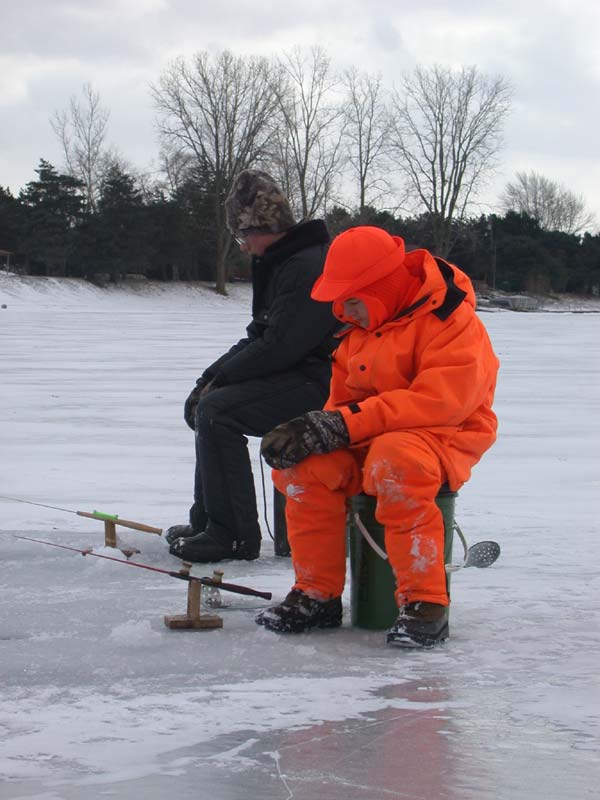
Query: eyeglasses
[241,237]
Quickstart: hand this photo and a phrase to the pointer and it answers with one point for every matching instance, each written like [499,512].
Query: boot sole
[247,557]
[297,629]
[267,623]
[213,560]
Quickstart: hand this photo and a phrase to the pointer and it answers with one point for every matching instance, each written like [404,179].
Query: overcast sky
[548,49]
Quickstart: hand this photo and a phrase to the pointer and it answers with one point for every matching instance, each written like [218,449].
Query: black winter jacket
[289,331]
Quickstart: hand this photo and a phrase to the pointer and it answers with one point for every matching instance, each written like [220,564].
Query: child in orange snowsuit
[409,410]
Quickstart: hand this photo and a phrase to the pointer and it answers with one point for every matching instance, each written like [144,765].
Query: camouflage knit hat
[255,201]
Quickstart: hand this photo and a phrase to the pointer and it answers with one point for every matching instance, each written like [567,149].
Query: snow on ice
[99,699]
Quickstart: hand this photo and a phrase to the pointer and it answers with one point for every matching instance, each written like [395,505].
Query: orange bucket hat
[357,258]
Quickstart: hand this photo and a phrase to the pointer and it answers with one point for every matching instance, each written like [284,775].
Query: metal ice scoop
[480,554]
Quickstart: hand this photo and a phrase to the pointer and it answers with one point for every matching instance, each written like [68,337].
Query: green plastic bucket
[373,605]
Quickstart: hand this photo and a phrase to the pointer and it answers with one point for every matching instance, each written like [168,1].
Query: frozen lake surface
[99,699]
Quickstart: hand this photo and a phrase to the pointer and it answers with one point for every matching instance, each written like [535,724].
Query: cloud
[15,77]
[386,34]
[548,52]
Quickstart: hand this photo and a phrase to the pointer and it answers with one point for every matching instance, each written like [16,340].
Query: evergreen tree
[338,219]
[54,207]
[11,223]
[586,277]
[524,263]
[474,249]
[161,214]
[196,236]
[121,233]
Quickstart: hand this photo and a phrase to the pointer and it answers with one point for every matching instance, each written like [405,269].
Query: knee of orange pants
[316,490]
[405,474]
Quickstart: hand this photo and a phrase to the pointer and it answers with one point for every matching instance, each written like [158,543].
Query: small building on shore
[5,259]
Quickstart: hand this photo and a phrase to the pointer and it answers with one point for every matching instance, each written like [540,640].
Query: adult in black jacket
[278,371]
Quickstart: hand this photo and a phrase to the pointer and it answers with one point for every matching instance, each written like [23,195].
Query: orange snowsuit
[416,396]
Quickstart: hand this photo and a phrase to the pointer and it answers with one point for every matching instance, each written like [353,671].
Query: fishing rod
[228,587]
[110,518]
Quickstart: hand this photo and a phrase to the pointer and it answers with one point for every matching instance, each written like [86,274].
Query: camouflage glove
[190,405]
[317,432]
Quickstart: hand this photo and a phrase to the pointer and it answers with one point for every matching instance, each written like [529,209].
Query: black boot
[299,612]
[179,532]
[208,547]
[198,522]
[419,624]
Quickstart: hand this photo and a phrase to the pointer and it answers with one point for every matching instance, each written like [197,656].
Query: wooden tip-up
[126,523]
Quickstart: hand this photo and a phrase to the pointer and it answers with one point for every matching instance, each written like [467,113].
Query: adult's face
[357,311]
[254,242]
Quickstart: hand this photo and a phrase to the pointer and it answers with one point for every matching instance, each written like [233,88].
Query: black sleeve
[295,325]
[211,372]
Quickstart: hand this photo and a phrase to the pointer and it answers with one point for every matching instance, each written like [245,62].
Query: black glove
[316,432]
[189,408]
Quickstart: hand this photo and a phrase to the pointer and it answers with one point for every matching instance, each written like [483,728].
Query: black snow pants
[224,492]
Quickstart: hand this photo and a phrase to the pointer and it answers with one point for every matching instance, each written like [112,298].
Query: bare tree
[307,145]
[175,165]
[551,204]
[446,135]
[366,131]
[81,130]
[219,110]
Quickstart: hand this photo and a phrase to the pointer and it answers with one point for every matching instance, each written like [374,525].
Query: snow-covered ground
[99,699]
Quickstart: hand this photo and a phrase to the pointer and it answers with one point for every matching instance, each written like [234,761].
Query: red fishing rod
[228,587]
